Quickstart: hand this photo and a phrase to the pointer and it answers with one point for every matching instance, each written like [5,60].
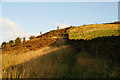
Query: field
[93,31]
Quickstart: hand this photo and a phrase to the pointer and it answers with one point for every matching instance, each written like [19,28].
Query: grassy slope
[93,31]
[36,43]
[65,62]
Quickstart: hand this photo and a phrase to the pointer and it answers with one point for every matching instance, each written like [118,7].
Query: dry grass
[58,61]
[14,59]
[63,63]
[25,61]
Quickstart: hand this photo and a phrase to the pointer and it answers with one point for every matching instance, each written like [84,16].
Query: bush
[40,33]
[17,41]
[32,37]
[11,42]
[71,26]
[3,44]
[24,40]
[57,27]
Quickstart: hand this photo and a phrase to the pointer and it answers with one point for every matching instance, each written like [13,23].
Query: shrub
[3,44]
[24,40]
[40,33]
[58,27]
[32,37]
[17,41]
[71,26]
[11,42]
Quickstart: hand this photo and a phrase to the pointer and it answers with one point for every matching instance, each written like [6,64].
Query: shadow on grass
[60,42]
[84,59]
[107,48]
[63,63]
[52,65]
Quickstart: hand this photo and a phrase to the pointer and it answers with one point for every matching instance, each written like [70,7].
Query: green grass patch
[93,34]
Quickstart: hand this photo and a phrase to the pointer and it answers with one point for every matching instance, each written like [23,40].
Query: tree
[71,26]
[3,44]
[17,41]
[58,27]
[11,42]
[32,37]
[24,40]
[40,33]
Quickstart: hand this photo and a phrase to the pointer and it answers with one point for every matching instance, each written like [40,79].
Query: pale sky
[60,0]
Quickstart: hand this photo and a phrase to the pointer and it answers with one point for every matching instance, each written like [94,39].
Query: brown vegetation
[64,58]
[34,42]
[32,37]
[30,45]
[58,33]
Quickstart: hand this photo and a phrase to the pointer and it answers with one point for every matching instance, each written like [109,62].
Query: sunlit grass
[60,60]
[93,34]
[93,31]
[63,63]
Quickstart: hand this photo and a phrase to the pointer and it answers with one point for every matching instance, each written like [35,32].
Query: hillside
[38,42]
[80,32]
[53,33]
[93,31]
[64,61]
[57,54]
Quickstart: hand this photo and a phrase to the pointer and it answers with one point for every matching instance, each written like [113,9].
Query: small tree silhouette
[71,26]
[58,27]
[24,40]
[11,42]
[40,33]
[17,41]
[3,44]
[32,37]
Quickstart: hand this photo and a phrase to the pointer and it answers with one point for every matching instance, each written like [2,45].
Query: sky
[60,0]
[30,18]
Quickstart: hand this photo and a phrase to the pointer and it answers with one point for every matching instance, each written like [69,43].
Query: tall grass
[63,63]
[81,59]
